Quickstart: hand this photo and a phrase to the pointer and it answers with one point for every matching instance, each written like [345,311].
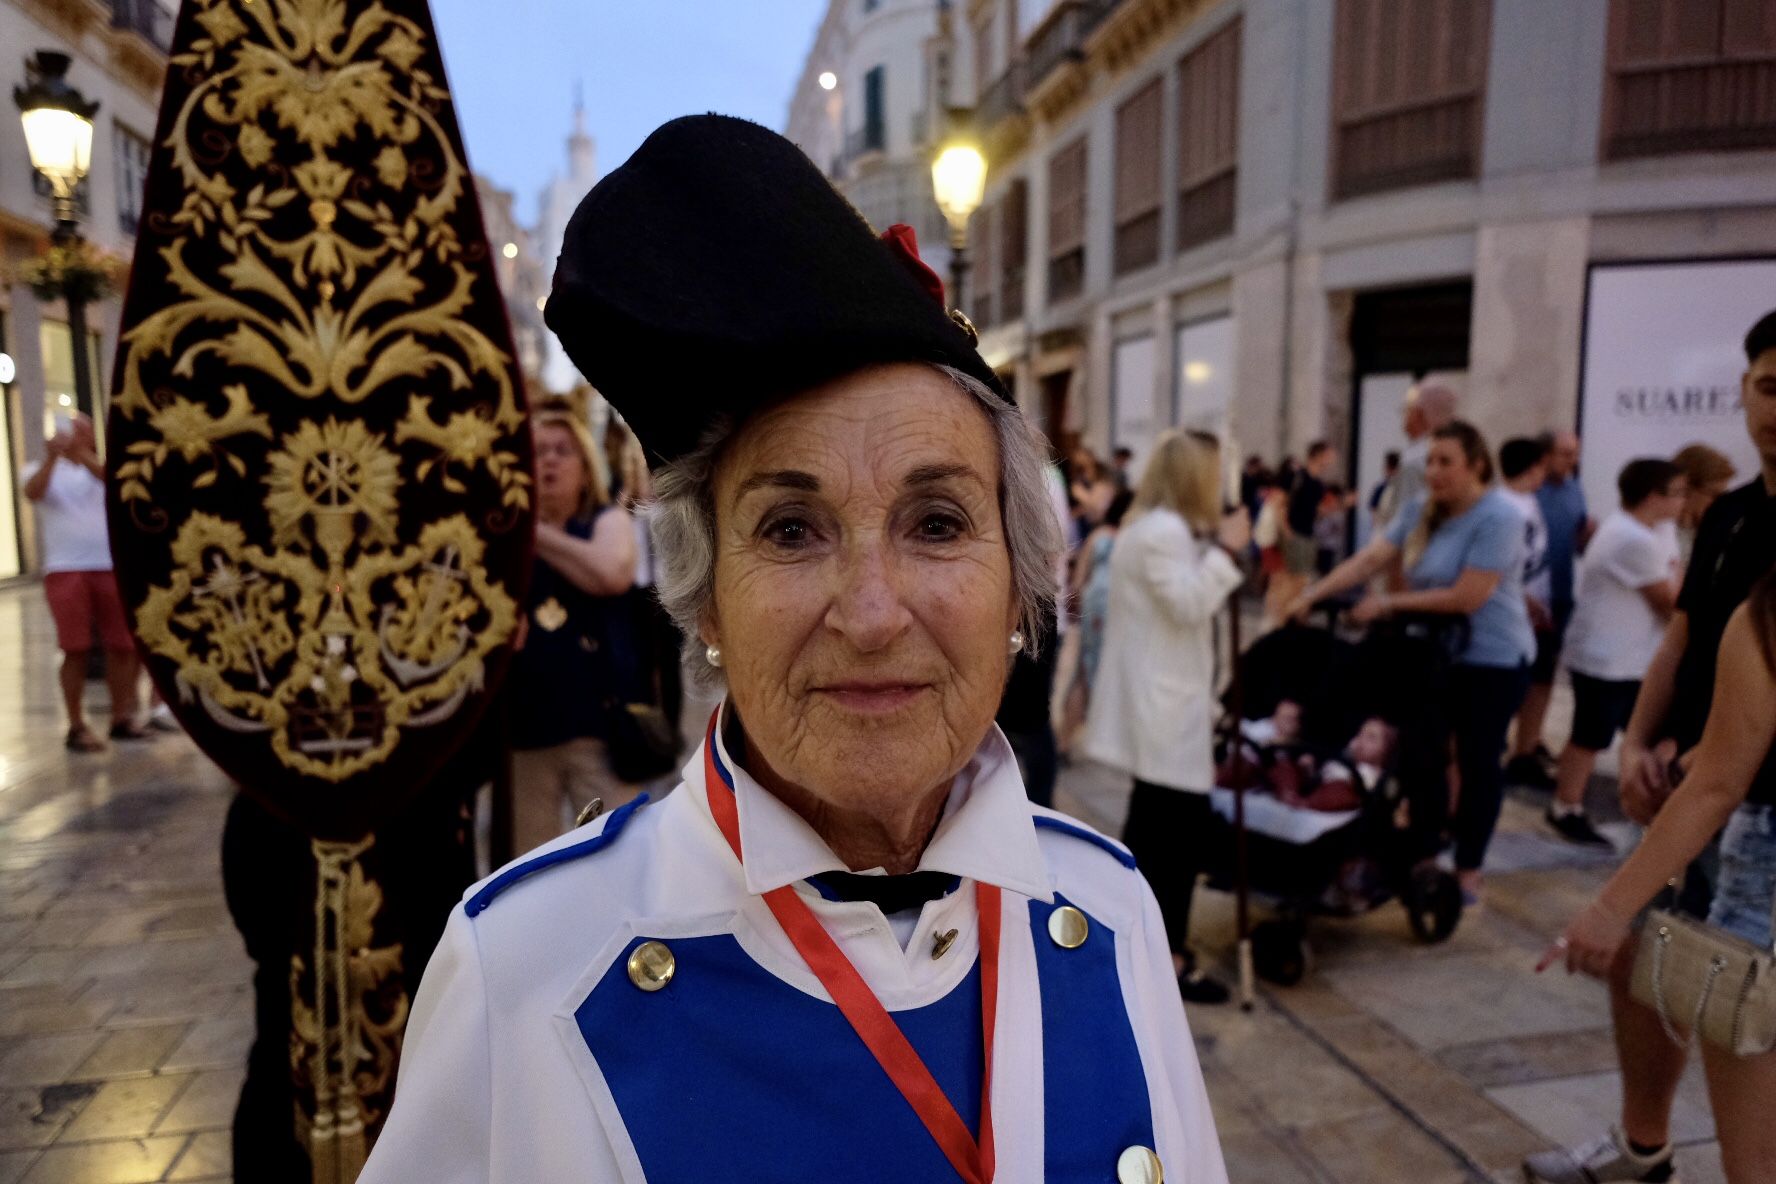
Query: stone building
[872,103]
[118,49]
[523,280]
[1268,217]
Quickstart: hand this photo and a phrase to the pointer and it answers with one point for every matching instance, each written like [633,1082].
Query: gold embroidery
[550,615]
[340,284]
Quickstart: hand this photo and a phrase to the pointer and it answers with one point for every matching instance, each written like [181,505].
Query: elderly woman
[846,947]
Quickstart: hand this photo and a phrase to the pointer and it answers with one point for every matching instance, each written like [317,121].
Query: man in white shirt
[1523,463]
[1625,596]
[68,490]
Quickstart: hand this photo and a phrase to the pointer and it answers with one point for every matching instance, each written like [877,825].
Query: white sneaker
[1605,1160]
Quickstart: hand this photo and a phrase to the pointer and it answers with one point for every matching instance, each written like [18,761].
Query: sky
[513,66]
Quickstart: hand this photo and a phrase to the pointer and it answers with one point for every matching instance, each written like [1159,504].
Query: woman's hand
[1235,531]
[1590,943]
[1371,609]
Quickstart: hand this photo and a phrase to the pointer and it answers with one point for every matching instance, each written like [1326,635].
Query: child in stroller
[1344,744]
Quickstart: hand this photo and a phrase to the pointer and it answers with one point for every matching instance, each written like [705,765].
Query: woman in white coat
[1171,572]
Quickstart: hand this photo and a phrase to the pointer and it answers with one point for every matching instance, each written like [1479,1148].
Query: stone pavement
[124,1008]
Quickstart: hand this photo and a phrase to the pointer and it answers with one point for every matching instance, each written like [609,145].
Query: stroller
[1306,862]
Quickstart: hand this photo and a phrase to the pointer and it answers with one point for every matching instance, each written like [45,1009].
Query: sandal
[81,739]
[129,730]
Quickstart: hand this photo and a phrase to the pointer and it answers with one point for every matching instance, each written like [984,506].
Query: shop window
[1408,93]
[1137,181]
[1689,76]
[59,394]
[1208,138]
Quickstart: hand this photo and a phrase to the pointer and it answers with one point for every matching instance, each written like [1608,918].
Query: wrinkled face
[1448,475]
[863,589]
[1373,743]
[1759,390]
[1563,458]
[560,469]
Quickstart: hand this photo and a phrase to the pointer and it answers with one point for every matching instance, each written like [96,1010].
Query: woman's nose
[867,608]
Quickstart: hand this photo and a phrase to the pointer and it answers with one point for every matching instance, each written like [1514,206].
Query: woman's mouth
[872,698]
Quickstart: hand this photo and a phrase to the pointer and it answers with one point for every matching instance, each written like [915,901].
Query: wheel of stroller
[1279,952]
[1433,903]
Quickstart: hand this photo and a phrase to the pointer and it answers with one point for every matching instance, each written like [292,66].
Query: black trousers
[1486,698]
[1023,716]
[1168,831]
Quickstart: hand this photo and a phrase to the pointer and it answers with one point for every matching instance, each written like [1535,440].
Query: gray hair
[682,517]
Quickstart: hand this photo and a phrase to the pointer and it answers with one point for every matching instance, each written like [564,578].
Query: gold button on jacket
[651,966]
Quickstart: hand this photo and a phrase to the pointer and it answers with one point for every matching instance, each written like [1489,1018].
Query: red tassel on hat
[904,243]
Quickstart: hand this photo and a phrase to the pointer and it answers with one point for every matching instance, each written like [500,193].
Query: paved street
[124,1012]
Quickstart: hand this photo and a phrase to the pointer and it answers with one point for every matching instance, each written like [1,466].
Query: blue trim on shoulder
[1090,836]
[613,826]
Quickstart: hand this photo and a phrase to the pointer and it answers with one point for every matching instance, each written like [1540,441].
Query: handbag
[1714,983]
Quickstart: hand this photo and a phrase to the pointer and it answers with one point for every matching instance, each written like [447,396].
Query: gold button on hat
[651,966]
[1139,1165]
[1068,927]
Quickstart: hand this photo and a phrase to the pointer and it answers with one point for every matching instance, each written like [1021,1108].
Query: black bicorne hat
[718,270]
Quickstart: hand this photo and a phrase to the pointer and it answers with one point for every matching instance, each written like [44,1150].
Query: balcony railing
[145,17]
[1061,37]
[1714,106]
[1003,99]
[1205,210]
[868,139]
[1413,145]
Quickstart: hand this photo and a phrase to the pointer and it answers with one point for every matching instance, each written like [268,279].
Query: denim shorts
[1744,894]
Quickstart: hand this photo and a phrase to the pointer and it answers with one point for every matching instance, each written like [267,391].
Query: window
[875,120]
[1014,247]
[1407,93]
[983,274]
[1066,222]
[1208,138]
[983,54]
[1689,76]
[1137,181]
[871,5]
[132,176]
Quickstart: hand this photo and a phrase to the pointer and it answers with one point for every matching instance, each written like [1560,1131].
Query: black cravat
[891,894]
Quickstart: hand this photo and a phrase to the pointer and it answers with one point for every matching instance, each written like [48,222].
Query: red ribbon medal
[865,1013]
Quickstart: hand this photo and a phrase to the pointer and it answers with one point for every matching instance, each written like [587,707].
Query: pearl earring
[1017,641]
[713,655]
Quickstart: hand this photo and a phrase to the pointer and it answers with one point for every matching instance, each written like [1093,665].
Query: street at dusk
[1157,591]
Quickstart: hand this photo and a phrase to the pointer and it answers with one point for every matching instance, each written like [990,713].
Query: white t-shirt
[1614,631]
[1537,580]
[71,519]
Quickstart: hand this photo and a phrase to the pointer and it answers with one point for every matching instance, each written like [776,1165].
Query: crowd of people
[1662,615]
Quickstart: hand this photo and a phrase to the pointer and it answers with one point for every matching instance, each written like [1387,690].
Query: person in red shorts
[68,489]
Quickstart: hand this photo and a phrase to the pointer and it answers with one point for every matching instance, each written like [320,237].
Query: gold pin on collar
[966,325]
[941,943]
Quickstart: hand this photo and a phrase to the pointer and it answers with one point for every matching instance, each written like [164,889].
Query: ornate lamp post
[59,132]
[958,178]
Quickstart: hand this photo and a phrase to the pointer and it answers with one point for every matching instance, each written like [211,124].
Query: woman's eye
[940,526]
[787,532]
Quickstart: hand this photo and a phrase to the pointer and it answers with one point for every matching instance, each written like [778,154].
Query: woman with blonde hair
[578,643]
[1460,548]
[1174,564]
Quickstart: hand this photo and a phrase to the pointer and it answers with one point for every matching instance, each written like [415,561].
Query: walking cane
[1241,889]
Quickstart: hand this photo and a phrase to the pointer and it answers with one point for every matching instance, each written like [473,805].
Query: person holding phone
[67,488]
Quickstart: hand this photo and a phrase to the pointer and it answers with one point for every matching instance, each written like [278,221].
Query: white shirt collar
[986,832]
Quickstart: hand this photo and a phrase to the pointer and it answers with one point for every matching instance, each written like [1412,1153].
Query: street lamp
[958,178]
[58,133]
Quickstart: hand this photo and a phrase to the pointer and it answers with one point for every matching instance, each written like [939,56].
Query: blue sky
[513,66]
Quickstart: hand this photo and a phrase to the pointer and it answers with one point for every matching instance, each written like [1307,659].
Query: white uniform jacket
[1153,700]
[533,1057]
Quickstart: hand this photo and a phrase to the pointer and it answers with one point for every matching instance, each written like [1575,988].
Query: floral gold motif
[311,257]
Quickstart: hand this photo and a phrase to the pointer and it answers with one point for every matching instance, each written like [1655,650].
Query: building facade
[895,69]
[1268,217]
[119,50]
[523,281]
[555,205]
